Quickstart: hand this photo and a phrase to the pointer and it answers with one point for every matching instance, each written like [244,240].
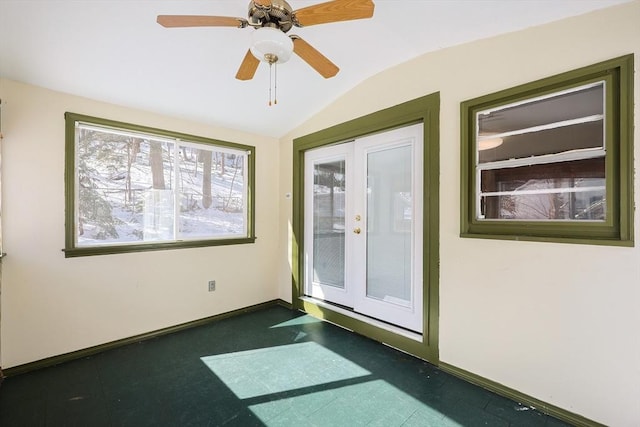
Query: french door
[363,226]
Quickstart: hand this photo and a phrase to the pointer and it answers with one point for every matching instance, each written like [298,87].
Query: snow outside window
[134,188]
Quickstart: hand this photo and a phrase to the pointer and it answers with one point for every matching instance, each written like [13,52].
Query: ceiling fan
[272,19]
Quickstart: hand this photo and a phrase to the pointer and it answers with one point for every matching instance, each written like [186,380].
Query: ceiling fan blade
[263,3]
[248,67]
[334,11]
[311,56]
[200,21]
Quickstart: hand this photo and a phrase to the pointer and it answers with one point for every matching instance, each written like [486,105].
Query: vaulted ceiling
[114,51]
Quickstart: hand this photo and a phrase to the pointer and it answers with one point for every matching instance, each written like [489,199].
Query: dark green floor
[272,367]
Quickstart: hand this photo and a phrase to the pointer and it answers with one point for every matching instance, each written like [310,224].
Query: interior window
[543,159]
[550,159]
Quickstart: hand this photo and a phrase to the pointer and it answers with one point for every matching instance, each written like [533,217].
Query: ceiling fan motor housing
[278,14]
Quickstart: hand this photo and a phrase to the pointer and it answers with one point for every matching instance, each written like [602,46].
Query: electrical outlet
[212,285]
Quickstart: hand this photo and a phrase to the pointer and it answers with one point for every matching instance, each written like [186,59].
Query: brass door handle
[356,230]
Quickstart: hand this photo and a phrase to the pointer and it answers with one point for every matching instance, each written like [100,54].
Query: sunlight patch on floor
[371,403]
[278,369]
[299,383]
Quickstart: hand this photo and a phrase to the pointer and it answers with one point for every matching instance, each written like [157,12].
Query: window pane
[122,188]
[550,141]
[212,193]
[389,205]
[555,124]
[559,191]
[584,102]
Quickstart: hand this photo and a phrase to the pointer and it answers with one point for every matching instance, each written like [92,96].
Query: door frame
[425,109]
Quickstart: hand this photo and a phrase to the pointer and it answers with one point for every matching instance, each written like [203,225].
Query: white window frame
[566,156]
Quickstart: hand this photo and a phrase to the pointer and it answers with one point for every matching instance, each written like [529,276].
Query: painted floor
[272,367]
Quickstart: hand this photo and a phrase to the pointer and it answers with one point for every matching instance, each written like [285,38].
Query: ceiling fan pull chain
[270,66]
[275,85]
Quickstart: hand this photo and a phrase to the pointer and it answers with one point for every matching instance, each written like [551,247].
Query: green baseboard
[79,354]
[498,388]
[547,408]
[283,303]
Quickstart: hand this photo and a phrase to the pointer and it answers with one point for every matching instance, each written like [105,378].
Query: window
[552,160]
[131,188]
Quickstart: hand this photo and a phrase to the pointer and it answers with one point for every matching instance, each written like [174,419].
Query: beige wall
[52,305]
[556,321]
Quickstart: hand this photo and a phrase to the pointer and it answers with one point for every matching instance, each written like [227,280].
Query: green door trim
[426,110]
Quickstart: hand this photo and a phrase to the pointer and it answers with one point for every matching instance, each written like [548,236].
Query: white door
[327,245]
[363,225]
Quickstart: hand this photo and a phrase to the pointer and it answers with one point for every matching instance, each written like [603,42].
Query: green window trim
[617,228]
[73,250]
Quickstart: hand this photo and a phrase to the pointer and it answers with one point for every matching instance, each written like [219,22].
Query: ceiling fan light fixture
[489,141]
[271,45]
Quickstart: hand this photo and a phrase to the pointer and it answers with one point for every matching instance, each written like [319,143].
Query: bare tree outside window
[133,188]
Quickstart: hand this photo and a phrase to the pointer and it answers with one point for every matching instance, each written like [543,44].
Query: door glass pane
[328,223]
[389,225]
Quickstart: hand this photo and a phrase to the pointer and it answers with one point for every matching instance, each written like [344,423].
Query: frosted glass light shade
[489,143]
[267,40]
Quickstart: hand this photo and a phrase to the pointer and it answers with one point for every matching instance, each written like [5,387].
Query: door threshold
[366,319]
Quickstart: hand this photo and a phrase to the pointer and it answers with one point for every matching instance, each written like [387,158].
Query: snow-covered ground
[117,203]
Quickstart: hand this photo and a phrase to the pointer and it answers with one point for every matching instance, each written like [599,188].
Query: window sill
[551,239]
[108,250]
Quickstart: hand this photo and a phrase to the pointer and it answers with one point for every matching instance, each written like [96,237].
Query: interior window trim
[617,228]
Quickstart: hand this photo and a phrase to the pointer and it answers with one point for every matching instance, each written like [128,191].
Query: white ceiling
[114,51]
